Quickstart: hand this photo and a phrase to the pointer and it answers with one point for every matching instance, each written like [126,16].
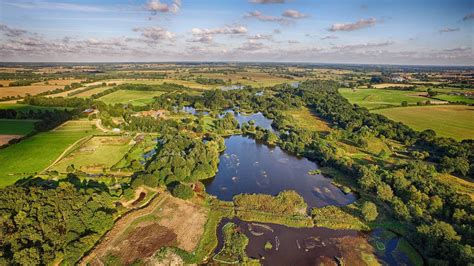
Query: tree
[182,191]
[369,211]
[384,192]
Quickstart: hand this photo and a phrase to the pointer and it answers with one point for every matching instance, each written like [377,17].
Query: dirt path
[99,126]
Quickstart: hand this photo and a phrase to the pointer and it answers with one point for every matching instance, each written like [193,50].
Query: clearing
[166,221]
[455,121]
[308,120]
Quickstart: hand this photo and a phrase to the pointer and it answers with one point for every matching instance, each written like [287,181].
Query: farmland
[95,155]
[139,98]
[31,156]
[455,121]
[35,88]
[16,127]
[381,98]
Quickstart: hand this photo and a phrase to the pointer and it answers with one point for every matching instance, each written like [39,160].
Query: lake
[247,166]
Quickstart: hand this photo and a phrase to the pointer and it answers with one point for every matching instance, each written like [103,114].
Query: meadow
[138,98]
[16,126]
[98,153]
[34,154]
[455,121]
[380,98]
[455,98]
[308,120]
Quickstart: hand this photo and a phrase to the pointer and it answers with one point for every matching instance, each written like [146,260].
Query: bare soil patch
[143,242]
[4,139]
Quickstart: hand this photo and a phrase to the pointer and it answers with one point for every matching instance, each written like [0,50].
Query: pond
[307,246]
[193,111]
[258,118]
[247,166]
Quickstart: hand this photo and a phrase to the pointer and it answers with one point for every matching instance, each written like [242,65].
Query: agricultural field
[35,154]
[16,126]
[138,98]
[455,98]
[96,155]
[381,98]
[91,92]
[35,88]
[454,121]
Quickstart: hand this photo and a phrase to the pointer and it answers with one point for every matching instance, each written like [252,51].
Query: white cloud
[11,32]
[267,1]
[156,6]
[265,18]
[447,29]
[360,24]
[291,13]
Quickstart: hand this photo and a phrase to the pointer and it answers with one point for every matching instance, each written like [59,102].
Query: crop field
[190,84]
[386,85]
[138,98]
[16,126]
[307,120]
[98,153]
[91,92]
[174,222]
[380,98]
[455,121]
[35,88]
[256,79]
[27,107]
[34,154]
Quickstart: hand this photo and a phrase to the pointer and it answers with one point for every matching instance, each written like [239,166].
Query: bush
[182,191]
[369,211]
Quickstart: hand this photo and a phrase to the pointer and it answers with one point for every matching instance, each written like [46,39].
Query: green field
[455,121]
[96,154]
[38,152]
[27,107]
[138,98]
[16,126]
[455,98]
[380,98]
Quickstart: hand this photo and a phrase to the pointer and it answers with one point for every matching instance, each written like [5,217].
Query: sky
[414,32]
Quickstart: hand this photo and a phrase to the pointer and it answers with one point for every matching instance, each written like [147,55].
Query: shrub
[369,211]
[182,191]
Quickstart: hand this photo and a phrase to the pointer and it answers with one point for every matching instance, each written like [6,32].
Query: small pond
[258,118]
[311,246]
[250,167]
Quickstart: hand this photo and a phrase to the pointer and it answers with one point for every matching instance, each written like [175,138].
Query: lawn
[138,98]
[455,121]
[38,152]
[308,120]
[379,98]
[16,126]
[100,152]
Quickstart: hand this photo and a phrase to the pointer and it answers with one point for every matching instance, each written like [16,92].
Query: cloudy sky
[438,32]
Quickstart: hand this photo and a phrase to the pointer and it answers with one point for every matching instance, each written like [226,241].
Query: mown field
[34,154]
[380,98]
[35,88]
[16,126]
[138,98]
[308,120]
[98,153]
[455,98]
[455,121]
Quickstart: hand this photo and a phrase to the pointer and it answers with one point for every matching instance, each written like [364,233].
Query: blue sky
[319,31]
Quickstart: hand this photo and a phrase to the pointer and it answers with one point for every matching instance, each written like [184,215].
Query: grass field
[455,121]
[34,154]
[307,120]
[91,92]
[138,98]
[27,107]
[455,98]
[464,186]
[16,126]
[379,98]
[96,154]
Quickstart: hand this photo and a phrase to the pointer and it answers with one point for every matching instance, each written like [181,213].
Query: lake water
[311,246]
[250,167]
[259,119]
